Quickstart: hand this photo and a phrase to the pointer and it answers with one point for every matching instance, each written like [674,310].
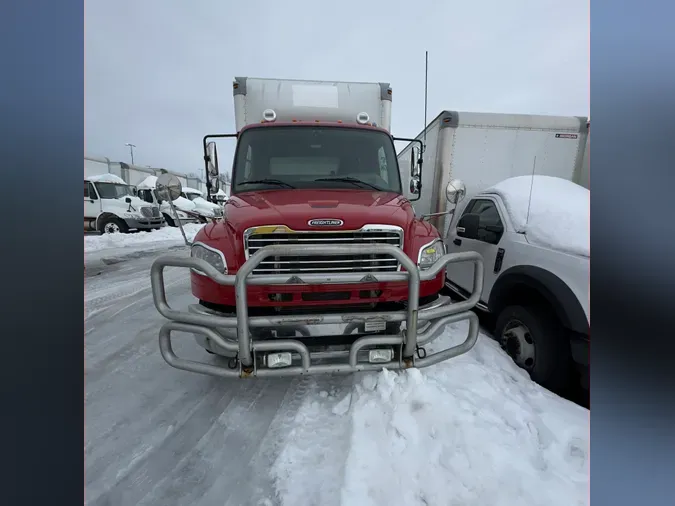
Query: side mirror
[414,185]
[467,226]
[127,200]
[455,191]
[415,162]
[211,158]
[168,187]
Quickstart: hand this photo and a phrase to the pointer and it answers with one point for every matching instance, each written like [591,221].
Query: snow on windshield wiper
[278,182]
[352,180]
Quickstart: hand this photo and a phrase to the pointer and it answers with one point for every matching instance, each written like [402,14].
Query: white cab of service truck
[482,149]
[203,207]
[110,206]
[295,100]
[184,208]
[533,233]
[536,265]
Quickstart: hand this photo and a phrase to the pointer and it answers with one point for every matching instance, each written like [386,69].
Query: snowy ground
[471,431]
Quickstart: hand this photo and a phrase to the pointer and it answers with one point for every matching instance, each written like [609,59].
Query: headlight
[210,255]
[430,254]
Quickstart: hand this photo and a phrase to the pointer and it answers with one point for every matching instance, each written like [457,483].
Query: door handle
[457,242]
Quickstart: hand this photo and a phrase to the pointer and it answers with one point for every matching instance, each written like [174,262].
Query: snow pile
[163,235]
[559,213]
[107,178]
[474,430]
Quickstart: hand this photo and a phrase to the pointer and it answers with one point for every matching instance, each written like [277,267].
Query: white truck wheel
[537,342]
[112,225]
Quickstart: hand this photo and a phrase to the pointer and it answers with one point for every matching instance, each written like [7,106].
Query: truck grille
[319,264]
[149,212]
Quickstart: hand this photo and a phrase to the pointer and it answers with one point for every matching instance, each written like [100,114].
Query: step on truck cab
[319,264]
[110,206]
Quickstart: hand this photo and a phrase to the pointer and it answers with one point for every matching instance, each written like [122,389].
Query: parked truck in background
[319,264]
[537,291]
[182,211]
[110,206]
[205,209]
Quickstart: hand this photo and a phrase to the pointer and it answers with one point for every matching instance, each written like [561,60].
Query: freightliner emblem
[325,222]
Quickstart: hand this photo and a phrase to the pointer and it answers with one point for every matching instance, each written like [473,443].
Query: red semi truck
[319,264]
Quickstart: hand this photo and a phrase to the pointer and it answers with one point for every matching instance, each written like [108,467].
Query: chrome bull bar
[247,349]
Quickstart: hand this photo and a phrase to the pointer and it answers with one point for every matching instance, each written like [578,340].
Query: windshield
[315,157]
[150,196]
[113,190]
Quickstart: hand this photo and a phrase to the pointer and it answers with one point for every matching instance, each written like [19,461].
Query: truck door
[92,204]
[487,243]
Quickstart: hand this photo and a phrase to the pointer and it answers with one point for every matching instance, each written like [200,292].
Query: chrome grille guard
[251,353]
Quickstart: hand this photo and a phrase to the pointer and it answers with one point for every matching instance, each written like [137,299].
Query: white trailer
[483,149]
[295,100]
[95,166]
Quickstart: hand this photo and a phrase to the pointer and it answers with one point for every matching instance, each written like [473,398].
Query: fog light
[277,360]
[380,356]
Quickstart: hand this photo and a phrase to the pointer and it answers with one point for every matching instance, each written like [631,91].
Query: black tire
[541,333]
[111,225]
[169,220]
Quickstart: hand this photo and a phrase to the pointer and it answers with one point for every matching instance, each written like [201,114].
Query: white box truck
[532,232]
[483,149]
[296,101]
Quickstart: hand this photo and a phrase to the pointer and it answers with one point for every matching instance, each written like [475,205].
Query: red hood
[294,208]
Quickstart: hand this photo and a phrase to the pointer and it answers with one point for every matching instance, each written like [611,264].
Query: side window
[146,195]
[89,191]
[490,225]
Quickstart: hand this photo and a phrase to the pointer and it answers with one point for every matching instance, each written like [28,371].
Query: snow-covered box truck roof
[299,101]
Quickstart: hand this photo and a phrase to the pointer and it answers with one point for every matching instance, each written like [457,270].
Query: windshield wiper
[352,180]
[278,182]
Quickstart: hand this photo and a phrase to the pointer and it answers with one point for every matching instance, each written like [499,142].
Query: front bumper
[233,334]
[144,223]
[292,296]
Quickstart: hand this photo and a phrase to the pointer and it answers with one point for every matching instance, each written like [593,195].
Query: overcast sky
[158,73]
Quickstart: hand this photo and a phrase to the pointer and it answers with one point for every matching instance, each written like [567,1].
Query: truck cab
[205,209]
[183,210]
[110,206]
[319,264]
[533,234]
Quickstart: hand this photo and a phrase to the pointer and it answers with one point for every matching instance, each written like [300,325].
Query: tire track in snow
[308,468]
